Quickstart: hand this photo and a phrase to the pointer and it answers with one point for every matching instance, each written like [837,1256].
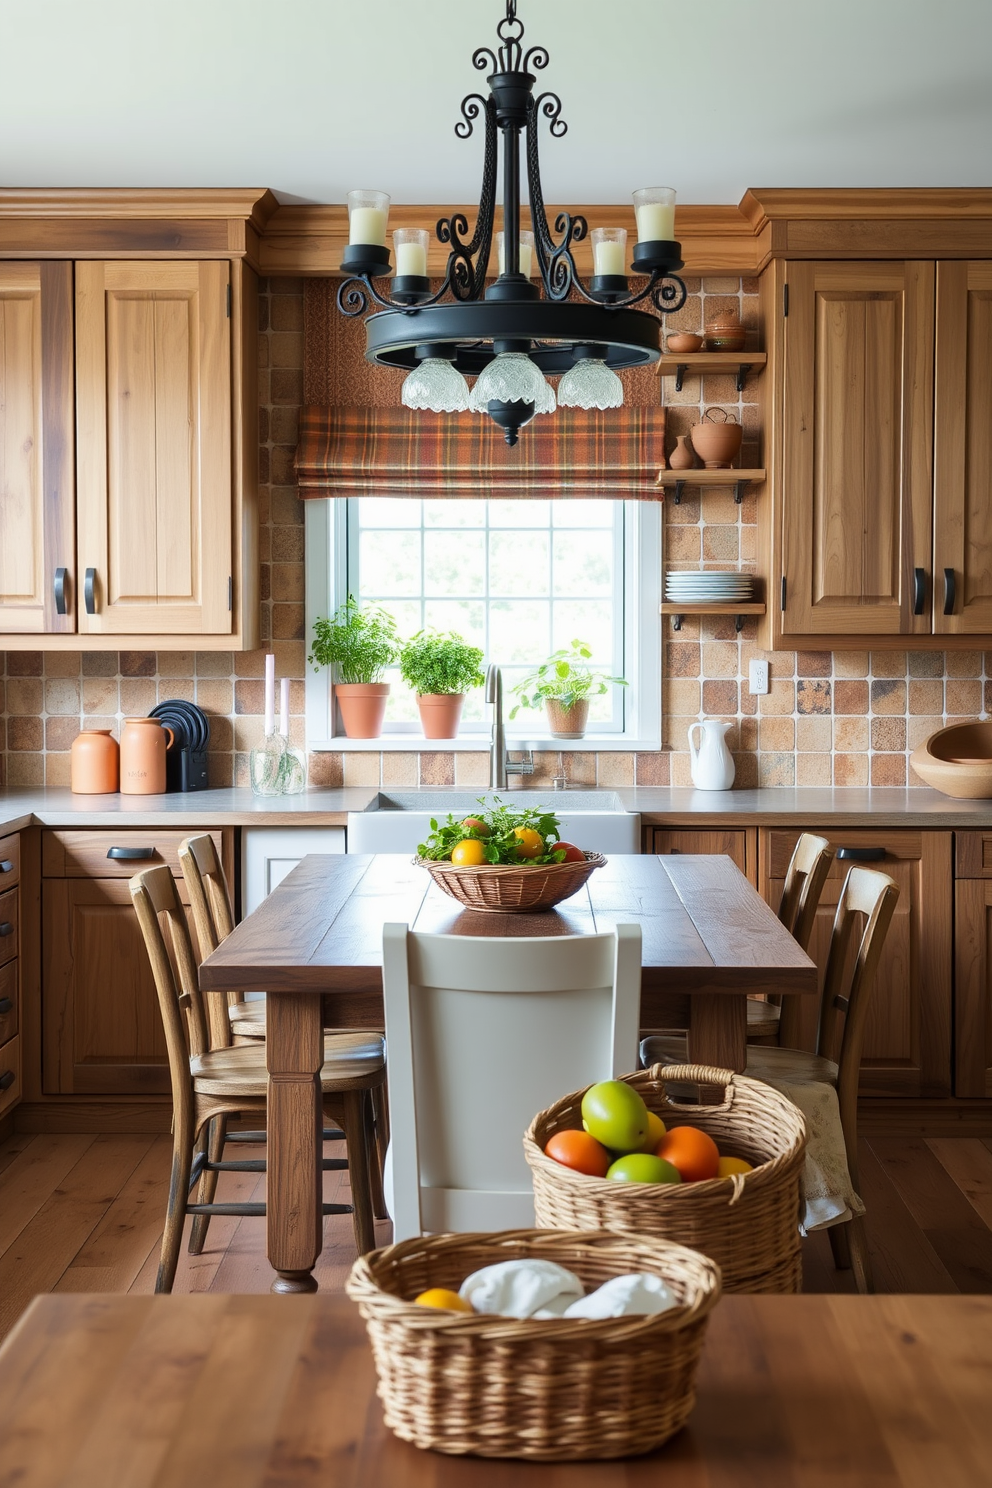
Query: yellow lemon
[469,853]
[441,1297]
[728,1166]
[656,1130]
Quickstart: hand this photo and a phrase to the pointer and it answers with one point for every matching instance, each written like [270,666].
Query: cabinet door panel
[37,480]
[907,1047]
[732,844]
[857,450]
[154,445]
[973,987]
[963,447]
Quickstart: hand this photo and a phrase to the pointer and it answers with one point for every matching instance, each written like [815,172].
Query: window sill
[481,744]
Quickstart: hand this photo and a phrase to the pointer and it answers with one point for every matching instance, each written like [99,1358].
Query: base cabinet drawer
[907,1049]
[10,1074]
[8,926]
[737,845]
[8,1001]
[10,862]
[973,987]
[117,854]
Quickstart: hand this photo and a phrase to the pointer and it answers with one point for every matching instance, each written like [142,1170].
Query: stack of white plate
[709,588]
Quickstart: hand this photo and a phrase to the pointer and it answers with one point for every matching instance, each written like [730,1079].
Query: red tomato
[579,1151]
[692,1151]
[573,854]
[473,824]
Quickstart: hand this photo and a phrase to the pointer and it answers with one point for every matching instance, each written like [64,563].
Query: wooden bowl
[684,342]
[509,889]
[957,761]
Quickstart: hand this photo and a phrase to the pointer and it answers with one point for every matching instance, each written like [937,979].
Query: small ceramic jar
[143,746]
[94,763]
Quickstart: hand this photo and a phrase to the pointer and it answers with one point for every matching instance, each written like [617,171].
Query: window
[519,579]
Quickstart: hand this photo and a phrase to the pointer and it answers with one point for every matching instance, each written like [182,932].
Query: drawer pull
[919,590]
[131,854]
[950,590]
[59,588]
[6,866]
[7,1079]
[6,1006]
[6,928]
[862,854]
[89,591]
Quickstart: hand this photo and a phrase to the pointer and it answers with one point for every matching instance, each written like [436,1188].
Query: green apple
[641,1167]
[615,1115]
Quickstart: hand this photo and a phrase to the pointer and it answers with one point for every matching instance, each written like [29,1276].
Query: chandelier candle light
[512,333]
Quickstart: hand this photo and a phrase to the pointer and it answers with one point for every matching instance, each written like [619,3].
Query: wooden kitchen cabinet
[37,482]
[10,1001]
[739,845]
[907,1049]
[973,964]
[102,1029]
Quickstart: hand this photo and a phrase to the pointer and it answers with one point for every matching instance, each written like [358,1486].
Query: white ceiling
[312,97]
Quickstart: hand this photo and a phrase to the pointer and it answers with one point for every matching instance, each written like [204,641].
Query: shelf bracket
[676,622]
[739,624]
[742,372]
[679,488]
[739,488]
[680,370]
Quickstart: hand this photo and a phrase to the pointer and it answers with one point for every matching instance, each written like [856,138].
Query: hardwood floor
[84,1213]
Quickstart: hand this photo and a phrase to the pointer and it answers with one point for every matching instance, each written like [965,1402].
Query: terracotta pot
[681,457]
[363,707]
[684,341]
[143,746]
[440,713]
[724,332]
[717,443]
[94,763]
[567,723]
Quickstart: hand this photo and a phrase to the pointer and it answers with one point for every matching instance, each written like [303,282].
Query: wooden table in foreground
[315,946]
[267,1392]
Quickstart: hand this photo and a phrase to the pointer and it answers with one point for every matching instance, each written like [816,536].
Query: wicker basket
[559,1390]
[509,889]
[748,1224]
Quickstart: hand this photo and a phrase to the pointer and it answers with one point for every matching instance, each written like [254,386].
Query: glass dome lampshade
[437,386]
[590,384]
[512,377]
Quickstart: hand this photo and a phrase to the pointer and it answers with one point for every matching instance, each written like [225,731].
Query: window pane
[588,621]
[454,513]
[454,563]
[518,563]
[519,631]
[389,511]
[582,513]
[389,562]
[519,513]
[583,563]
[465,616]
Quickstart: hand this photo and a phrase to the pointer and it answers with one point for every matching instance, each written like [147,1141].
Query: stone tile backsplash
[848,718]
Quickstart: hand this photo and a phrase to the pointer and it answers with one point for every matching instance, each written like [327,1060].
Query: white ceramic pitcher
[712,762]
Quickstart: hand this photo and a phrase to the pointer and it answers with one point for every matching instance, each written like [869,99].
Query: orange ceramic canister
[143,746]
[94,763]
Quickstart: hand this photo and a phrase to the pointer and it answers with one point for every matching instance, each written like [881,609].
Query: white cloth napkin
[829,1195]
[625,1296]
[518,1288]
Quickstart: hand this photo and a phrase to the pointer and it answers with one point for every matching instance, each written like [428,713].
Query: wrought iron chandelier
[509,335]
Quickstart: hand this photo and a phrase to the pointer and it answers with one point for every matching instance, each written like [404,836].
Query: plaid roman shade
[398,452]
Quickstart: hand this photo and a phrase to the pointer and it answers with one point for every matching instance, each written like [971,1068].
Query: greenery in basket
[432,663]
[360,640]
[565,678]
[498,836]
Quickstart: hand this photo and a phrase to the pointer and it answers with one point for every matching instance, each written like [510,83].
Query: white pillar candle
[526,253]
[608,257]
[368,225]
[270,692]
[411,258]
[656,223]
[284,707]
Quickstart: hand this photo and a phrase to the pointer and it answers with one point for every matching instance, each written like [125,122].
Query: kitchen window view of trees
[520,579]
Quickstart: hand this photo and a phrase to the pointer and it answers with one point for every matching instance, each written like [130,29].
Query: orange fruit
[530,844]
[442,1298]
[579,1151]
[469,853]
[692,1151]
[728,1166]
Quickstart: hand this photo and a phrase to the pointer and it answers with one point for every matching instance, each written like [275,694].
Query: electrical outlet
[758,677]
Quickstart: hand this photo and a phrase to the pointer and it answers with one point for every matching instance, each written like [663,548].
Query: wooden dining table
[314,946]
[102,1391]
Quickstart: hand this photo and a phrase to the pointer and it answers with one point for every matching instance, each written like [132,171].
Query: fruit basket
[748,1224]
[498,889]
[556,1390]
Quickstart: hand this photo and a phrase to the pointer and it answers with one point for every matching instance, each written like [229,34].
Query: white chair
[481,1035]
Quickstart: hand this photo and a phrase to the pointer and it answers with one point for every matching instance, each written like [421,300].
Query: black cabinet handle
[6,928]
[950,591]
[5,1005]
[7,1079]
[6,866]
[862,854]
[59,587]
[130,853]
[89,591]
[919,590]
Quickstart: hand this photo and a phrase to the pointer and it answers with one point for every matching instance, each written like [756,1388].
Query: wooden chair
[804,880]
[864,913]
[483,1034]
[243,1021]
[218,1083]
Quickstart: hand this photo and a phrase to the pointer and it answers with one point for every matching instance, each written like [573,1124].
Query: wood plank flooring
[83,1213]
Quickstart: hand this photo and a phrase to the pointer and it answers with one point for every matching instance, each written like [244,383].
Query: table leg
[294,1053]
[718,1030]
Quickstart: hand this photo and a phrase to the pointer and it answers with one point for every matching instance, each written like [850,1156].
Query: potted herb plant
[361,642]
[441,669]
[564,684]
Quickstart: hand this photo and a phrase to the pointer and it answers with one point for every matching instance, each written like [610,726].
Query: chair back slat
[805,877]
[213,916]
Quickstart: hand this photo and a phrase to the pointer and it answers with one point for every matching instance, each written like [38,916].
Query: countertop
[658,805]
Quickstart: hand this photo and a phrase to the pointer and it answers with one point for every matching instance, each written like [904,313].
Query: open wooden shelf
[708,477]
[691,363]
[740,608]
